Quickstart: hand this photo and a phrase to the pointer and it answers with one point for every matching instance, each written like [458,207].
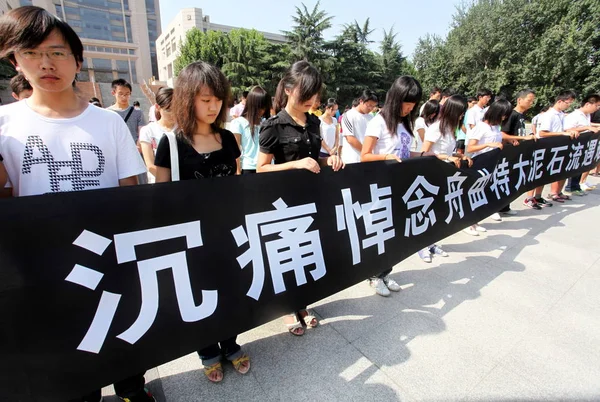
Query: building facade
[119,36]
[169,41]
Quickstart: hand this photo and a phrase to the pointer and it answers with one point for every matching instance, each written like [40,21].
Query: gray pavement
[511,315]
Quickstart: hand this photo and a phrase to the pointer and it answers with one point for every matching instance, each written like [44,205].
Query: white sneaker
[437,250]
[587,186]
[510,212]
[496,217]
[391,284]
[424,254]
[379,286]
[471,231]
[480,228]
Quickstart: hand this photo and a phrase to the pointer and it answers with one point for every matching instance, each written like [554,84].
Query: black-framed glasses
[52,54]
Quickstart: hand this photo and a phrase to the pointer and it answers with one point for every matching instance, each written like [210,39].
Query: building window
[170,71]
[102,65]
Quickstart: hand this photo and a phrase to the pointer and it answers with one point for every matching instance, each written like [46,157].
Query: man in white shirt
[551,125]
[354,124]
[475,114]
[580,121]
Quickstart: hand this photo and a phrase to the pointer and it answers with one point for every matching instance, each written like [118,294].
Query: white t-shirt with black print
[44,155]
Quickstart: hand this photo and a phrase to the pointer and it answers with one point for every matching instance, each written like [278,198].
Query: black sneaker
[143,396]
[542,202]
[531,203]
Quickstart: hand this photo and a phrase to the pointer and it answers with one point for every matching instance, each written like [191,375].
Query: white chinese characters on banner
[500,179]
[588,158]
[454,196]
[537,165]
[556,163]
[521,165]
[148,269]
[376,216]
[418,222]
[476,193]
[293,251]
[575,156]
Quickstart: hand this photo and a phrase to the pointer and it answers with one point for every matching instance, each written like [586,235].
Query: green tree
[208,47]
[392,63]
[306,37]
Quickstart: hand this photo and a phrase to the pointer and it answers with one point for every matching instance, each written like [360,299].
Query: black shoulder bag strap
[129,114]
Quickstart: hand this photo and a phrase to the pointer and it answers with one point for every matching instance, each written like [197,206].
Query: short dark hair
[481,92]
[448,92]
[404,89]
[471,99]
[120,83]
[435,90]
[27,27]
[245,94]
[565,95]
[524,93]
[430,111]
[367,95]
[19,83]
[497,112]
[136,103]
[301,75]
[590,98]
[355,102]
[451,114]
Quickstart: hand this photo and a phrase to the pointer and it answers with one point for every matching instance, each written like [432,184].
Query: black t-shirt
[288,141]
[515,124]
[596,117]
[194,165]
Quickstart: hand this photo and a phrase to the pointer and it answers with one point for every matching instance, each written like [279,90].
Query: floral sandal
[295,328]
[309,319]
[238,364]
[214,368]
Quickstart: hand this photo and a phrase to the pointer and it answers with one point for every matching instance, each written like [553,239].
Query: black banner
[98,285]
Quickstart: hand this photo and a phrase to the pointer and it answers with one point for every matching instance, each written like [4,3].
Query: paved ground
[511,315]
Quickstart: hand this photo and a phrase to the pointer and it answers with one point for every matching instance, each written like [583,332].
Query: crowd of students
[186,138]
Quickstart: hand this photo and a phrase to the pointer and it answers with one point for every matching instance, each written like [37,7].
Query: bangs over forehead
[27,27]
[204,79]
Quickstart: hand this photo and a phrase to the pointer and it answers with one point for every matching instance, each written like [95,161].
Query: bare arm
[354,142]
[421,133]
[238,138]
[128,181]
[367,155]
[163,175]
[474,145]
[148,155]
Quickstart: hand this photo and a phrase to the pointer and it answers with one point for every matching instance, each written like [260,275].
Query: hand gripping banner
[96,286]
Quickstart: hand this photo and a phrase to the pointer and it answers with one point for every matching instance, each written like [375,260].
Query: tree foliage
[347,62]
[508,45]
